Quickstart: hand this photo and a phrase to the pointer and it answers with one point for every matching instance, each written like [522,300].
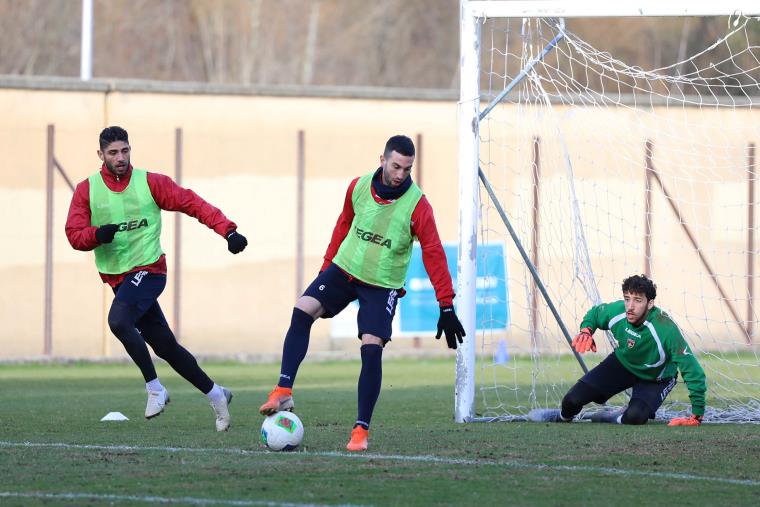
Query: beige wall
[240,153]
[701,156]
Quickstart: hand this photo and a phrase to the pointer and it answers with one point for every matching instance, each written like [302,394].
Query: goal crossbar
[605,9]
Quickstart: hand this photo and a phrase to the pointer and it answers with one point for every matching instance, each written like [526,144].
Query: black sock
[370,380]
[295,346]
[184,363]
[156,332]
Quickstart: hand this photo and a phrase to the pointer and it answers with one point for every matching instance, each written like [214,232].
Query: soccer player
[117,213]
[367,259]
[650,349]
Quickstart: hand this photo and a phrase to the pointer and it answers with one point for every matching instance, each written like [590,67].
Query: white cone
[502,354]
[115,416]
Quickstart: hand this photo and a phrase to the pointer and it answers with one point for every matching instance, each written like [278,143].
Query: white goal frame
[472,13]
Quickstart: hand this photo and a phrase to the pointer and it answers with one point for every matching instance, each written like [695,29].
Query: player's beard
[118,170]
[388,181]
[638,318]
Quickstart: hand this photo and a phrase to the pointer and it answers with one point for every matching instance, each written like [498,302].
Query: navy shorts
[334,289]
[610,377]
[140,289]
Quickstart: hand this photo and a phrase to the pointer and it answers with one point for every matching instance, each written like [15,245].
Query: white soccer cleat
[221,410]
[545,415]
[157,400]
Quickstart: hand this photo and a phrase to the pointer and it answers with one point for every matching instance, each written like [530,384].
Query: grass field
[54,450]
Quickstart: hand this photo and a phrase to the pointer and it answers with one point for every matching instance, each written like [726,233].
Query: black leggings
[637,412]
[135,326]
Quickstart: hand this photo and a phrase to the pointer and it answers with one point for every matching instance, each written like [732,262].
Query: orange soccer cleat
[358,441]
[281,398]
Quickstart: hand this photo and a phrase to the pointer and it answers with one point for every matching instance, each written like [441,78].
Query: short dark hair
[640,284]
[112,134]
[400,144]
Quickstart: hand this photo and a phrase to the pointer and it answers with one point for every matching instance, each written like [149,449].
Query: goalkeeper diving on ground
[649,354]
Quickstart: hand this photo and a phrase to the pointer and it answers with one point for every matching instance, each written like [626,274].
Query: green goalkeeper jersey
[655,350]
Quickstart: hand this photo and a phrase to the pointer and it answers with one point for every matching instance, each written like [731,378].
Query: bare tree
[250,46]
[397,43]
[39,37]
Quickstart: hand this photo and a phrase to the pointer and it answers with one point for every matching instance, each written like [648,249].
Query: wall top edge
[103,85]
[350,92]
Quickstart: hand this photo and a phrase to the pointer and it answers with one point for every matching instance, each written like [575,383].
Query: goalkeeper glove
[105,233]
[236,242]
[583,341]
[693,420]
[448,323]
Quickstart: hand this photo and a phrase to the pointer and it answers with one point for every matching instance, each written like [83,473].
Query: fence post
[300,175]
[48,307]
[178,238]
[648,149]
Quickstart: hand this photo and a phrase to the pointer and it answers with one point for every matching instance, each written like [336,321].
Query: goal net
[588,170]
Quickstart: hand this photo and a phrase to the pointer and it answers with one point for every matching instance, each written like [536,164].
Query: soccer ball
[282,431]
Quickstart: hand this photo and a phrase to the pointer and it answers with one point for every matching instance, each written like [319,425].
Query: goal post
[588,169]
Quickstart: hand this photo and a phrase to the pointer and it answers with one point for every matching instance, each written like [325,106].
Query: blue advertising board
[418,309]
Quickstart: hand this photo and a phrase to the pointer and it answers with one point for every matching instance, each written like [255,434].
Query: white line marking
[185,500]
[400,457]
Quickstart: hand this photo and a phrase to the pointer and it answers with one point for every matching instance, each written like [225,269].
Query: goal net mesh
[606,170]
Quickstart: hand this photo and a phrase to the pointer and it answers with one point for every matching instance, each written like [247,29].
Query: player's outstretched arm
[433,255]
[448,324]
[693,376]
[171,197]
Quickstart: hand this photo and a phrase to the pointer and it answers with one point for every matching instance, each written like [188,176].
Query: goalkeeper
[367,259]
[650,349]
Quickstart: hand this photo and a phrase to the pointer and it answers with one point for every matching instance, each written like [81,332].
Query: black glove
[236,242]
[449,323]
[105,233]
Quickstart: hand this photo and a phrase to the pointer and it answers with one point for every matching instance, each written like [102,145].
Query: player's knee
[637,412]
[370,339]
[570,406]
[301,319]
[370,351]
[310,306]
[578,396]
[121,320]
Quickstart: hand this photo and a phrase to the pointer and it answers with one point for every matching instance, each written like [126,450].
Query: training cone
[502,354]
[115,416]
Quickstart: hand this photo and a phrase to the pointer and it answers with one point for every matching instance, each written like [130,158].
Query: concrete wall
[240,153]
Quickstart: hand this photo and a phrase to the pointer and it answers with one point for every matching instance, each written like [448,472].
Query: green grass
[417,456]
[733,385]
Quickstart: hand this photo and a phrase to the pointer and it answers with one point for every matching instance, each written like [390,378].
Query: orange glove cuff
[693,420]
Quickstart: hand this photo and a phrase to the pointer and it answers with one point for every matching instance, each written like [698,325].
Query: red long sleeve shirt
[168,196]
[422,225]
